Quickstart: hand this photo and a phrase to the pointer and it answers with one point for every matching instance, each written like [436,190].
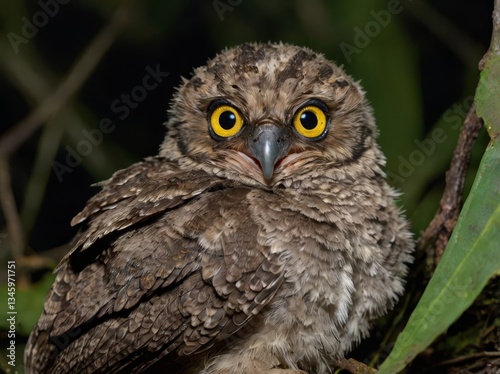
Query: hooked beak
[268,144]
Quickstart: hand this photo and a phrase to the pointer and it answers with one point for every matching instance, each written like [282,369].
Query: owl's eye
[225,121]
[310,122]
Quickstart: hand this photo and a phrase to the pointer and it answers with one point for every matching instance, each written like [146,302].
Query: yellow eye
[225,121]
[310,121]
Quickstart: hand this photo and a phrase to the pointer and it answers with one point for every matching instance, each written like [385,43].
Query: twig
[80,72]
[354,367]
[439,230]
[495,42]
[32,79]
[11,214]
[495,39]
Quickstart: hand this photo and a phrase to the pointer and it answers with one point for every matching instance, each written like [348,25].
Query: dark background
[419,68]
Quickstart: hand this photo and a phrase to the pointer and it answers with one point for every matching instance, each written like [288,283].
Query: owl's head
[271,114]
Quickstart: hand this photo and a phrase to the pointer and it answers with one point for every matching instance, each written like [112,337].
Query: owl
[263,237]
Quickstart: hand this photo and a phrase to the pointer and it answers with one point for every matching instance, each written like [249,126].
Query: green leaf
[471,257]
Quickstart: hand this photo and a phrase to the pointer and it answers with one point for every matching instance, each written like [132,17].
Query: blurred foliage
[29,303]
[419,69]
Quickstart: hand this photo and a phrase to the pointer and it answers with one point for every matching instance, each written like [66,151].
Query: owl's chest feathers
[316,241]
[319,282]
[309,315]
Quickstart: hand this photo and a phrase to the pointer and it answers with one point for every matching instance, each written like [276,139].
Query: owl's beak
[268,144]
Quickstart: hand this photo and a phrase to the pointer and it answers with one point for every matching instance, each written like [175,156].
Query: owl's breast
[328,254]
[302,231]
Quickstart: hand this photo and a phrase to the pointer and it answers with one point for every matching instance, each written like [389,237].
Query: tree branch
[439,230]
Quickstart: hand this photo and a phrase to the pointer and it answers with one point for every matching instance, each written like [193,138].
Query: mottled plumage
[262,239]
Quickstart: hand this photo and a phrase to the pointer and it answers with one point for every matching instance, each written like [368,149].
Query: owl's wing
[157,268]
[136,194]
